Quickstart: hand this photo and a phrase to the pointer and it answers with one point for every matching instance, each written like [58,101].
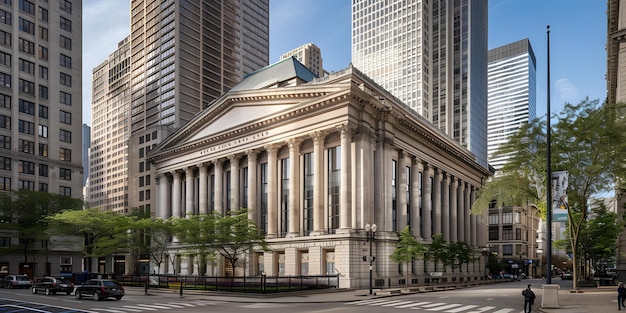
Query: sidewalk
[587,300]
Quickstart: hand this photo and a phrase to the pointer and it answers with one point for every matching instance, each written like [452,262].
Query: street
[492,298]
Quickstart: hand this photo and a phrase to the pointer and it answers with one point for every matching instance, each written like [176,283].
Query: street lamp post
[371,232]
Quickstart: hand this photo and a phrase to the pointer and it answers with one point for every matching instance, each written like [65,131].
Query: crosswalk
[433,306]
[165,306]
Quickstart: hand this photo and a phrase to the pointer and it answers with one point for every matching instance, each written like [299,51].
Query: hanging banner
[559,196]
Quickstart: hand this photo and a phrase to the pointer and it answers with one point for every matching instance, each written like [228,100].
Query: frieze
[234,143]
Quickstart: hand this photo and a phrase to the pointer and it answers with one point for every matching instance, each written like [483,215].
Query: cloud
[566,91]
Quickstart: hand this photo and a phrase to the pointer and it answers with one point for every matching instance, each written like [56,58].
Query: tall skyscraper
[310,55]
[183,56]
[511,95]
[433,57]
[86,145]
[108,183]
[40,96]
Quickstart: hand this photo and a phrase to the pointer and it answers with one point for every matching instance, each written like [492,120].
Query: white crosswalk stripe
[432,306]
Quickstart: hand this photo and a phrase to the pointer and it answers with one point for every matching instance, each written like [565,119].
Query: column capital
[234,157]
[318,134]
[217,161]
[293,143]
[272,148]
[203,167]
[345,129]
[251,153]
[189,169]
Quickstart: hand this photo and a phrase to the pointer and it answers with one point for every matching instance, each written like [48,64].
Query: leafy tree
[407,250]
[438,251]
[156,236]
[460,253]
[197,232]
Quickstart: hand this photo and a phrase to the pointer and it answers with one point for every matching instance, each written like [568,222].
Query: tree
[407,250]
[438,252]
[460,253]
[157,234]
[197,231]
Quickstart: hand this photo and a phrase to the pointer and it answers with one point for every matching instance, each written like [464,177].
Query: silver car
[16,281]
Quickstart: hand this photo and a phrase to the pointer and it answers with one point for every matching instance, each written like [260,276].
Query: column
[218,172]
[345,198]
[401,191]
[189,210]
[461,211]
[437,202]
[467,213]
[234,182]
[318,182]
[272,189]
[453,210]
[203,189]
[445,207]
[427,203]
[164,201]
[253,212]
[294,187]
[176,195]
[416,168]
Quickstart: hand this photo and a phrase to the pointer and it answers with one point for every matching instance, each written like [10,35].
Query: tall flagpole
[549,179]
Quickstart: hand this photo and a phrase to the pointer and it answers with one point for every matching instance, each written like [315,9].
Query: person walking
[621,295]
[529,299]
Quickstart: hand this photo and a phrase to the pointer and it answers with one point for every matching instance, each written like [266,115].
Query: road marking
[461,309]
[445,307]
[397,303]
[412,305]
[483,309]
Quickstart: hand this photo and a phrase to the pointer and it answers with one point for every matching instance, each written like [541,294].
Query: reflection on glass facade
[511,95]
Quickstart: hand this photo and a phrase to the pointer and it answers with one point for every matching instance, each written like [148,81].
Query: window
[27,87]
[65,117]
[5,101]
[43,92]
[66,6]
[65,98]
[43,149]
[65,174]
[42,52]
[27,107]
[264,196]
[507,218]
[66,24]
[5,80]
[65,80]
[43,187]
[43,170]
[5,183]
[25,184]
[5,142]
[65,136]
[507,233]
[65,61]
[26,26]
[494,233]
[5,163]
[26,167]
[394,195]
[5,59]
[43,14]
[27,7]
[26,66]
[334,185]
[43,33]
[26,46]
[65,154]
[493,219]
[5,38]
[65,191]
[5,122]
[43,111]
[43,72]
[507,249]
[284,197]
[65,43]
[43,131]
[26,127]
[26,146]
[309,176]
[5,17]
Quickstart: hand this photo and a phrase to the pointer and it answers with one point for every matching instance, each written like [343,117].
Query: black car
[100,289]
[16,281]
[51,285]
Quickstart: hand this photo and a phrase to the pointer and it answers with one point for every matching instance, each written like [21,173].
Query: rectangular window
[65,154]
[25,184]
[494,233]
[43,72]
[27,107]
[65,61]
[43,33]
[66,6]
[26,46]
[26,26]
[334,187]
[5,142]
[5,101]
[307,195]
[43,131]
[5,17]
[65,98]
[27,87]
[5,80]
[284,197]
[494,219]
[43,187]
[5,183]
[5,163]
[43,170]
[66,25]
[65,117]
[27,7]
[43,92]
[5,59]
[65,191]
[43,111]
[264,184]
[5,122]
[43,14]
[65,136]
[26,127]
[5,38]
[65,80]
[65,42]
[507,218]
[26,167]
[26,66]
[43,149]
[43,53]
[507,233]
[65,174]
[394,195]
[507,249]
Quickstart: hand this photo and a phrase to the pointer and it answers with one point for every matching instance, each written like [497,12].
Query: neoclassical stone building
[315,160]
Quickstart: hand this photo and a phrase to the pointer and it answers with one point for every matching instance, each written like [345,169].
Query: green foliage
[449,254]
[407,250]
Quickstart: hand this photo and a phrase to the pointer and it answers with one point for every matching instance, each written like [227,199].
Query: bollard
[181,289]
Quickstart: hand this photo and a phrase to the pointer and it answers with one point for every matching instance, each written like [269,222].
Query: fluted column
[164,204]
[445,207]
[189,210]
[234,182]
[253,212]
[294,187]
[416,168]
[453,210]
[345,198]
[203,188]
[437,202]
[318,182]
[427,203]
[176,195]
[401,191]
[272,192]
[218,172]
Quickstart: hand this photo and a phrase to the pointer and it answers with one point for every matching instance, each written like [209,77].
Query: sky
[577,39]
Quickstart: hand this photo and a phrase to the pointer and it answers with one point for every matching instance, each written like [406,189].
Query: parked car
[51,285]
[16,281]
[100,289]
[567,276]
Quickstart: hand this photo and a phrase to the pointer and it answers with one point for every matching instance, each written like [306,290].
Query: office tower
[184,55]
[40,96]
[432,55]
[309,55]
[511,95]
[86,145]
[108,183]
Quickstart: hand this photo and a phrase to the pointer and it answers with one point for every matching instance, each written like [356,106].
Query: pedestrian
[621,295]
[529,299]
